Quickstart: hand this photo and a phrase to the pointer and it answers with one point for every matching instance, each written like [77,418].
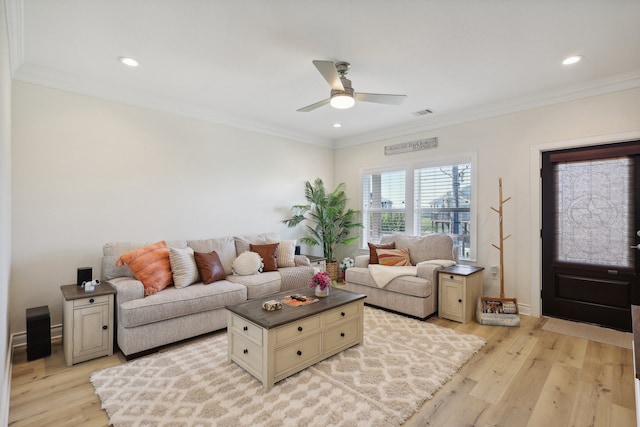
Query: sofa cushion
[113,250]
[173,302]
[408,285]
[150,264]
[423,248]
[242,242]
[183,267]
[287,253]
[394,257]
[209,267]
[248,263]
[373,255]
[269,254]
[259,285]
[224,246]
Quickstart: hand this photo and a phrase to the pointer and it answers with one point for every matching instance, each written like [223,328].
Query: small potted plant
[322,283]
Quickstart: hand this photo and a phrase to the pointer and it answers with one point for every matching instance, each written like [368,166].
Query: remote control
[296,297]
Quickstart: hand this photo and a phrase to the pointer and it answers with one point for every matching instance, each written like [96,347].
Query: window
[383,207]
[442,202]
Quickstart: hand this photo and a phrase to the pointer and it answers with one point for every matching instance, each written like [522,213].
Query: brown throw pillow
[209,267]
[373,255]
[150,265]
[269,254]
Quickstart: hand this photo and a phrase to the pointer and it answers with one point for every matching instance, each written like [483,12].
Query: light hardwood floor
[523,376]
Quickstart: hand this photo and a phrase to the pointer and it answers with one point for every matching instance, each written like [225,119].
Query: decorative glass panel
[594,225]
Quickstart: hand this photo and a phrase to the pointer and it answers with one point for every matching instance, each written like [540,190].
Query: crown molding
[603,86]
[14,10]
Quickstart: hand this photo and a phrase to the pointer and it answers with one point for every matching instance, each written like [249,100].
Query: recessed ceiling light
[337,125]
[128,61]
[572,60]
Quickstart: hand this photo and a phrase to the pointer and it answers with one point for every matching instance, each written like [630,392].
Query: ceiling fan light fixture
[342,101]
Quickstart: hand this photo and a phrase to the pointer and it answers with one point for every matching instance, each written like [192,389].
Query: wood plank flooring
[522,377]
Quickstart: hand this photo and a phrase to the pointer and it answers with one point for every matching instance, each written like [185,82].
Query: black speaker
[38,332]
[297,252]
[85,274]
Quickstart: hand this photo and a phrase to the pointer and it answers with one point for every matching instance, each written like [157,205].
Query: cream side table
[460,287]
[87,325]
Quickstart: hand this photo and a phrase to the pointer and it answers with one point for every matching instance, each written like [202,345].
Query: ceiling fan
[342,93]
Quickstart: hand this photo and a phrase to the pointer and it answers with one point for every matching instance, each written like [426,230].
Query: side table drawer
[297,329]
[297,354]
[341,336]
[82,302]
[247,353]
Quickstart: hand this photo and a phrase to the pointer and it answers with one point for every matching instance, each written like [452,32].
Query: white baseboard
[20,338]
[6,387]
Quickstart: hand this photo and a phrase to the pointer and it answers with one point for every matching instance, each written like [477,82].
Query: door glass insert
[593,205]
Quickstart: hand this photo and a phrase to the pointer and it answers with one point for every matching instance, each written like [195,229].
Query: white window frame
[411,224]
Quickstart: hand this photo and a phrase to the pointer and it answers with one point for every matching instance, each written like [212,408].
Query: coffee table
[272,345]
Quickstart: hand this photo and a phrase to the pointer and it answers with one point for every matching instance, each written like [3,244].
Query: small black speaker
[85,274]
[297,252]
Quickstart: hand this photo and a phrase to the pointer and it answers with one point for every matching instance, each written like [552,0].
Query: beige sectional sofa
[416,293]
[173,314]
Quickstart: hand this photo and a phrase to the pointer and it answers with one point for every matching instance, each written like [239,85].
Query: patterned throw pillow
[394,257]
[247,263]
[373,255]
[150,264]
[210,267]
[269,254]
[183,267]
[286,253]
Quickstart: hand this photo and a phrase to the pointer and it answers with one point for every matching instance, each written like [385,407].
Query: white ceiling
[248,63]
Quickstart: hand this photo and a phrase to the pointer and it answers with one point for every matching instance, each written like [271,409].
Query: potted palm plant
[329,222]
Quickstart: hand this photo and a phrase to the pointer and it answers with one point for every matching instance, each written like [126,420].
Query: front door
[590,229]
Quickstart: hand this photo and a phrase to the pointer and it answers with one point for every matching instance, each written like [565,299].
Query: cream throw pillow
[183,267]
[286,253]
[247,263]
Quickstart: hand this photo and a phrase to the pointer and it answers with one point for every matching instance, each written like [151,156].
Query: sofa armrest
[428,271]
[362,261]
[301,260]
[127,289]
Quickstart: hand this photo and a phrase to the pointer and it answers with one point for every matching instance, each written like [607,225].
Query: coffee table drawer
[297,329]
[246,352]
[246,328]
[339,314]
[296,354]
[344,335]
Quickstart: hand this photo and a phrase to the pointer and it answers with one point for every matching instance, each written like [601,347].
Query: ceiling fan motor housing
[348,90]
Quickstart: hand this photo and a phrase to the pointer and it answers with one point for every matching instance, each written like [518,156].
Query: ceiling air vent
[423,112]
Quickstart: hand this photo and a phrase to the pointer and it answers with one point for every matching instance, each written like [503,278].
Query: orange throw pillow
[394,257]
[373,256]
[150,264]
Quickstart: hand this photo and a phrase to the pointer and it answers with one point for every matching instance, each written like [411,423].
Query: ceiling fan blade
[314,106]
[330,74]
[380,98]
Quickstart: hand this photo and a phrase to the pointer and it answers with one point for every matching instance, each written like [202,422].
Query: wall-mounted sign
[406,147]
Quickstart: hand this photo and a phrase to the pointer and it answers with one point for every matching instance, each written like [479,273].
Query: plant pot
[321,293]
[332,270]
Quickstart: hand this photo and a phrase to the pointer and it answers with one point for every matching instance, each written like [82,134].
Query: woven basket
[332,270]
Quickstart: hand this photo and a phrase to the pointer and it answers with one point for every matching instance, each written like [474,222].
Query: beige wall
[88,171]
[506,147]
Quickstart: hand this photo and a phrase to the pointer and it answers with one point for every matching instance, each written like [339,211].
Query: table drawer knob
[459,300]
[299,353]
[245,351]
[245,328]
[91,301]
[299,328]
[104,327]
[342,334]
[343,314]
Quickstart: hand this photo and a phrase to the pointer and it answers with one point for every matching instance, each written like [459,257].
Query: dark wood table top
[252,310]
[462,269]
[71,292]
[635,325]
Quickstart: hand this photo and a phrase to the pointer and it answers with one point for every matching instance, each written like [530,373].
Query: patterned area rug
[382,382]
